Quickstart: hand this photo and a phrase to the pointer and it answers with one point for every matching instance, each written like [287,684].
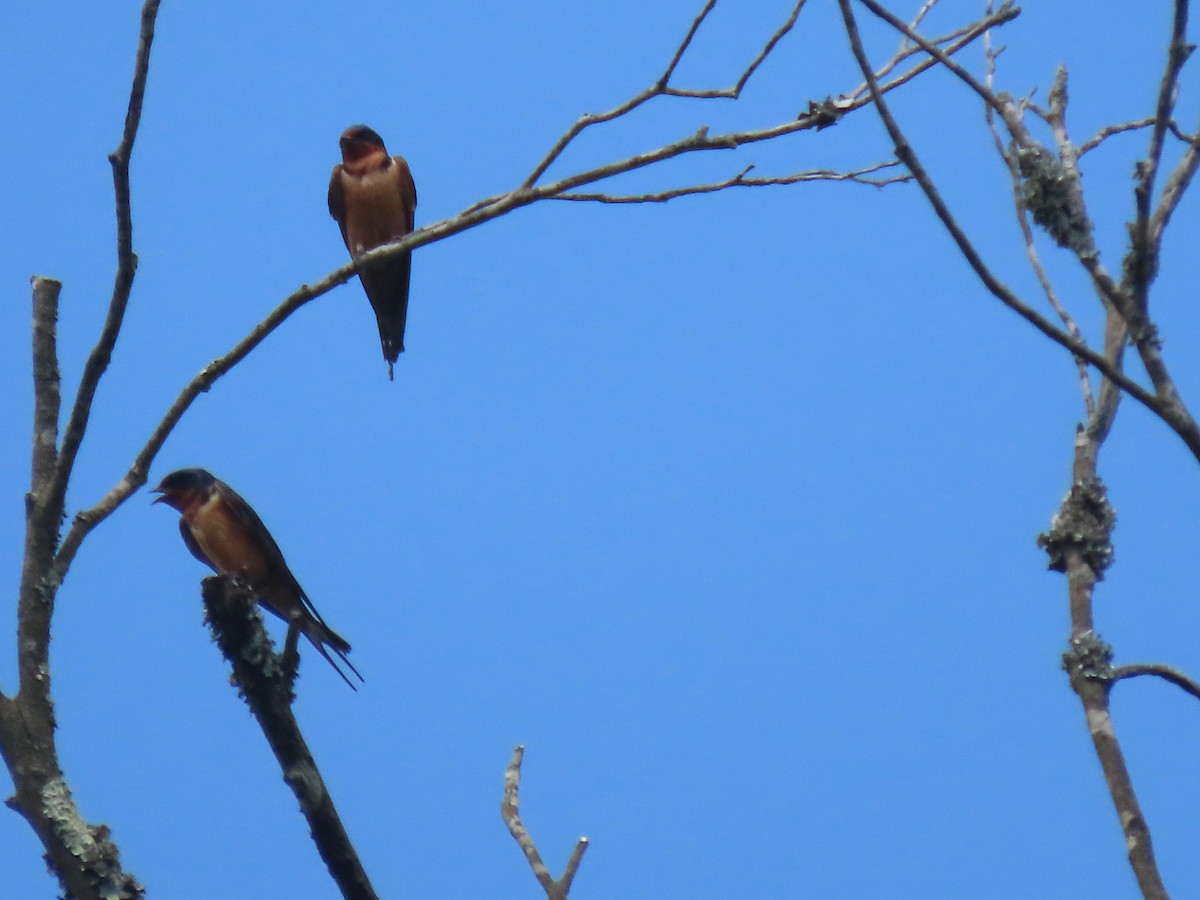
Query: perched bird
[373,198]
[225,534]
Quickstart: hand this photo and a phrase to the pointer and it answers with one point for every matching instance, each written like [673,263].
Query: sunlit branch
[1143,257]
[265,683]
[905,154]
[954,41]
[816,117]
[1035,262]
[1166,401]
[509,811]
[99,358]
[1174,676]
[860,176]
[736,90]
[47,397]
[1108,131]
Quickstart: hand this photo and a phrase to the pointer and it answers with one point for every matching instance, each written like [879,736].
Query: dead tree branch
[735,91]
[1109,130]
[1165,402]
[83,856]
[860,176]
[509,811]
[1174,676]
[1142,262]
[1048,186]
[816,117]
[265,683]
[1011,161]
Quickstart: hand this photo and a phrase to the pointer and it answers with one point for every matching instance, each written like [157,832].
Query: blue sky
[725,508]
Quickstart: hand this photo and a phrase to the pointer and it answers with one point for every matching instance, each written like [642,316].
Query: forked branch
[556,889]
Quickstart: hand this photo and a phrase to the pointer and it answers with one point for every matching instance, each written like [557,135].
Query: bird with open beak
[223,532]
[374,200]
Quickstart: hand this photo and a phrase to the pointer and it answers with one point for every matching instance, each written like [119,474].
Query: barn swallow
[225,534]
[374,200]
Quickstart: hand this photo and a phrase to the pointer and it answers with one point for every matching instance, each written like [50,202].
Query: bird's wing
[246,515]
[192,545]
[337,200]
[408,189]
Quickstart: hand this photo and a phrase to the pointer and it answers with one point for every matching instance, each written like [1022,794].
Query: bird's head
[183,486]
[359,142]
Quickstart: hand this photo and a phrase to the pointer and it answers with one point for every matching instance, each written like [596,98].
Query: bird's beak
[158,490]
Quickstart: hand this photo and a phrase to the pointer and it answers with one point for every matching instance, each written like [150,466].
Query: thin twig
[1166,403]
[916,20]
[1174,676]
[740,180]
[736,91]
[1142,262]
[658,89]
[1080,572]
[1109,130]
[1177,183]
[509,811]
[905,154]
[954,41]
[1117,308]
[99,358]
[684,44]
[818,116]
[1035,262]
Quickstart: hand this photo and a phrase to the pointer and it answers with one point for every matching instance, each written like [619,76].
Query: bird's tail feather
[320,635]
[387,285]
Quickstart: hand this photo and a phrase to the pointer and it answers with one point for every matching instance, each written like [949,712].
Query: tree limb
[98,361]
[859,176]
[265,683]
[509,806]
[816,117]
[1142,262]
[1174,676]
[736,90]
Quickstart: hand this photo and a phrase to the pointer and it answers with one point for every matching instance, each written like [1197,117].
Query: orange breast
[376,212]
[225,541]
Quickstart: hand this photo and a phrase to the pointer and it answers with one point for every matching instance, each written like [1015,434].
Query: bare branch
[658,89]
[905,154]
[732,92]
[46,382]
[684,44]
[818,116]
[1174,676]
[1109,130]
[509,811]
[1039,270]
[1142,261]
[916,21]
[1088,662]
[740,180]
[1118,311]
[1089,665]
[1035,262]
[1173,191]
[99,358]
[266,686]
[572,868]
[1174,128]
[954,42]
[1165,402]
